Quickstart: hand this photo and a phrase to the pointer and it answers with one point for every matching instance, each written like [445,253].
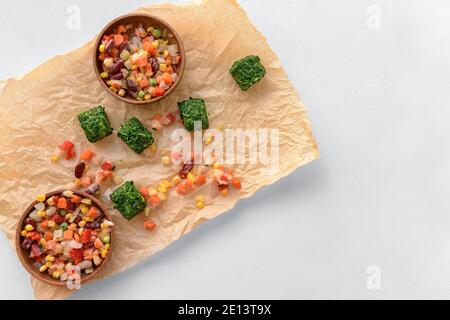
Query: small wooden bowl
[136,19]
[24,254]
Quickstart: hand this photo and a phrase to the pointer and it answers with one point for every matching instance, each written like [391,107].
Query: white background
[379,104]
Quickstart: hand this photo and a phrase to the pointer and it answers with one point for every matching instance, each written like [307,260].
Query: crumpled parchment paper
[38,112]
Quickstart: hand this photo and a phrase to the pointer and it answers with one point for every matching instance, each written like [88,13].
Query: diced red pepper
[77,255]
[86,236]
[66,145]
[106,166]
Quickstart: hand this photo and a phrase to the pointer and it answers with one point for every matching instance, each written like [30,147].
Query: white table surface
[378,97]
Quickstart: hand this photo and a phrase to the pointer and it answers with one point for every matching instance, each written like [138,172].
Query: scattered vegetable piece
[128,200]
[95,124]
[135,135]
[193,110]
[247,71]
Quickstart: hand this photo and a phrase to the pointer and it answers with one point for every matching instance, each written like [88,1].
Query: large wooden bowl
[136,19]
[45,277]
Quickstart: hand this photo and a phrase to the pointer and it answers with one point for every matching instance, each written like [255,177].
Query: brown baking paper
[38,112]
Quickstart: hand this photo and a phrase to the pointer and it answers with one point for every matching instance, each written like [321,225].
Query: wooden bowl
[137,18]
[45,277]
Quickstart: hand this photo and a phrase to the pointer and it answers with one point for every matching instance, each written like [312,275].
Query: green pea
[156,33]
[141,94]
[63,212]
[64,226]
[153,82]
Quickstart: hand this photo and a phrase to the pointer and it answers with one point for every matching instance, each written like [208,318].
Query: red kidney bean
[116,67]
[118,76]
[187,167]
[92,189]
[26,244]
[131,86]
[124,46]
[79,169]
[154,63]
[109,46]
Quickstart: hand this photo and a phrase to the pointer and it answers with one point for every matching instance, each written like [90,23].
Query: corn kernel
[56,274]
[104,225]
[163,67]
[41,214]
[104,75]
[166,184]
[153,147]
[133,67]
[191,177]
[86,201]
[89,219]
[221,126]
[147,97]
[162,189]
[121,92]
[49,264]
[84,210]
[68,216]
[166,53]
[216,165]
[200,204]
[40,198]
[42,242]
[107,246]
[104,253]
[200,198]
[50,201]
[54,158]
[97,260]
[176,179]
[43,268]
[152,191]
[224,192]
[24,233]
[113,89]
[208,141]
[77,183]
[101,48]
[162,196]
[51,224]
[49,258]
[29,227]
[155,44]
[82,223]
[147,211]
[165,161]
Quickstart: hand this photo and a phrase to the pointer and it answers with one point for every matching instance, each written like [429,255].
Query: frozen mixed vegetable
[193,110]
[128,200]
[139,61]
[247,71]
[95,124]
[66,235]
[135,135]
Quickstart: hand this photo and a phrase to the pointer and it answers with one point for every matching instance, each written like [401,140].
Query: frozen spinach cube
[247,71]
[128,200]
[193,110]
[95,124]
[135,135]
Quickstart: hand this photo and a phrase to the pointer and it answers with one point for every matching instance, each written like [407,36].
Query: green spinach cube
[135,135]
[95,124]
[193,110]
[128,200]
[247,71]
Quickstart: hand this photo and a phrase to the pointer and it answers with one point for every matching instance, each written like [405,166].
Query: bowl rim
[180,70]
[44,277]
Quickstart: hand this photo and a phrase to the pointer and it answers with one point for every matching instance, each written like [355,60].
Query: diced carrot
[154,200]
[149,225]
[158,79]
[148,46]
[178,59]
[169,60]
[181,189]
[121,29]
[144,83]
[77,237]
[98,244]
[189,185]
[167,78]
[169,69]
[75,199]
[236,183]
[144,192]
[142,62]
[68,234]
[92,213]
[86,155]
[159,91]
[115,52]
[44,224]
[118,39]
[102,56]
[201,179]
[48,235]
[62,203]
